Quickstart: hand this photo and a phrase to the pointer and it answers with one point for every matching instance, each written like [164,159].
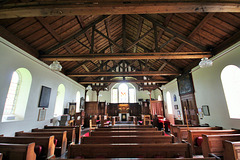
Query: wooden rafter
[87,34]
[127,56]
[18,42]
[106,22]
[113,74]
[125,81]
[139,39]
[75,36]
[76,66]
[177,35]
[124,33]
[139,30]
[113,42]
[69,8]
[92,40]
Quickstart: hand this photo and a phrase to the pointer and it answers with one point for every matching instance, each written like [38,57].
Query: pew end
[18,151]
[1,156]
[231,150]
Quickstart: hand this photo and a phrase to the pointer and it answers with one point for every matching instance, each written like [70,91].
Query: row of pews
[40,144]
[209,141]
[138,142]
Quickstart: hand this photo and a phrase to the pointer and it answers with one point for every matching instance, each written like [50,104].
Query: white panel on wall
[13,58]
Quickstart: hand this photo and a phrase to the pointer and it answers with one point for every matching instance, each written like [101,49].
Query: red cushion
[199,141]
[38,150]
[55,142]
[140,157]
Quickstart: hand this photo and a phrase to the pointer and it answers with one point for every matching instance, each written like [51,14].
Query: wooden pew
[129,126]
[1,156]
[70,133]
[60,136]
[231,150]
[126,129]
[182,132]
[127,139]
[130,150]
[126,133]
[47,144]
[77,131]
[194,134]
[214,143]
[208,158]
[18,151]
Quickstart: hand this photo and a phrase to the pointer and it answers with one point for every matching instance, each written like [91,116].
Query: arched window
[59,101]
[230,77]
[87,98]
[78,101]
[17,97]
[169,103]
[123,93]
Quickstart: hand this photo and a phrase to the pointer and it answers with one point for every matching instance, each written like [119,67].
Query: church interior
[125,79]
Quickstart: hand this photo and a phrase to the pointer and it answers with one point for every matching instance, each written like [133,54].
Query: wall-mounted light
[205,62]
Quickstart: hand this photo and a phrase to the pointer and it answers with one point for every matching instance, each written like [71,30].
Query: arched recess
[17,97]
[230,77]
[169,103]
[58,111]
[123,93]
[78,97]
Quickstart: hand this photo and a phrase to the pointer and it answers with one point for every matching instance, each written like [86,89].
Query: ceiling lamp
[55,66]
[89,87]
[205,62]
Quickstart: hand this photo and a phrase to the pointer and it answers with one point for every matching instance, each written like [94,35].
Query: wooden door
[189,103]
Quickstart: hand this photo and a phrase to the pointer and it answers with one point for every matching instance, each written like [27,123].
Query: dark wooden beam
[88,7]
[87,34]
[92,40]
[197,29]
[165,23]
[108,30]
[75,36]
[77,66]
[179,36]
[227,43]
[99,32]
[139,30]
[164,44]
[53,33]
[126,56]
[124,33]
[139,39]
[155,37]
[4,33]
[123,81]
[120,74]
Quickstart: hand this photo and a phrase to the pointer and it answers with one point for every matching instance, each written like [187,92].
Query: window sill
[11,118]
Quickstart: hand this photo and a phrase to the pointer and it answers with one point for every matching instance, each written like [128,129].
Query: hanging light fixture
[205,62]
[89,87]
[55,66]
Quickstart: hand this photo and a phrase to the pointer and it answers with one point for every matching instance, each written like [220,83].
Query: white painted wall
[209,90]
[172,87]
[12,58]
[106,95]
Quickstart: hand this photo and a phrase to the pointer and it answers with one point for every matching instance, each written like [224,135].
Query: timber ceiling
[125,43]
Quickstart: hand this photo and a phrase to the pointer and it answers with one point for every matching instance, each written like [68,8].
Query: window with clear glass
[58,111]
[123,93]
[17,96]
[12,95]
[169,103]
[230,77]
